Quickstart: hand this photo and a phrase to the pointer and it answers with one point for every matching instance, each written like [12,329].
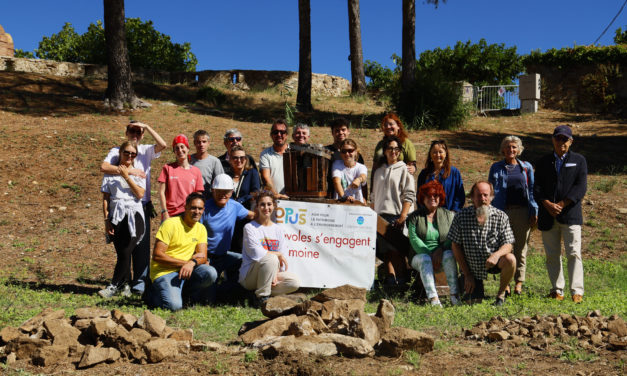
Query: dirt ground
[55,133]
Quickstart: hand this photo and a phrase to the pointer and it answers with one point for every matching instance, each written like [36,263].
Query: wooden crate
[305,169]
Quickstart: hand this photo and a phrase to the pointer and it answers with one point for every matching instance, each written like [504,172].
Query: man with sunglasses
[233,137]
[561,183]
[145,154]
[271,159]
[209,166]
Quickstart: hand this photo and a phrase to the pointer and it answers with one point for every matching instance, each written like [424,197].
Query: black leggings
[125,246]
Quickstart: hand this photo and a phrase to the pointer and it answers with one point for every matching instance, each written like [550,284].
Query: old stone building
[6,43]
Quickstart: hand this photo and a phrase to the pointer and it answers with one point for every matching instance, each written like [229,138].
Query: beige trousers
[519,221]
[262,273]
[553,249]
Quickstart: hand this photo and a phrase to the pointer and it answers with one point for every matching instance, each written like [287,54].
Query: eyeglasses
[278,132]
[347,151]
[232,139]
[394,149]
[239,158]
[129,154]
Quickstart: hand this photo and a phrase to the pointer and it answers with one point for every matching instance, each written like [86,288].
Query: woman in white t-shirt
[124,217]
[264,267]
[349,175]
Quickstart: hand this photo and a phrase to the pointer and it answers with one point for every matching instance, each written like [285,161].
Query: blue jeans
[168,290]
[423,264]
[228,263]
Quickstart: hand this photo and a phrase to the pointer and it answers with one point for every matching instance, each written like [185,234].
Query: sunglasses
[437,142]
[394,149]
[347,151]
[232,139]
[129,154]
[239,158]
[278,132]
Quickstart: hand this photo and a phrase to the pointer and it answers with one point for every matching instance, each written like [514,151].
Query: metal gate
[496,98]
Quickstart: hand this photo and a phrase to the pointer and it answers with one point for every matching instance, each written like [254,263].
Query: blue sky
[263,34]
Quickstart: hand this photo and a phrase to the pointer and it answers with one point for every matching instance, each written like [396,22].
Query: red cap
[180,139]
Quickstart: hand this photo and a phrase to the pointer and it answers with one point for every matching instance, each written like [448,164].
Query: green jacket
[417,227]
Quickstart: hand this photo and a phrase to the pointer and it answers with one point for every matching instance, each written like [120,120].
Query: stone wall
[322,84]
[6,43]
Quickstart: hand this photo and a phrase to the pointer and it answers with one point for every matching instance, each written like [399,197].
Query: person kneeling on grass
[179,265]
[264,268]
[428,227]
[482,242]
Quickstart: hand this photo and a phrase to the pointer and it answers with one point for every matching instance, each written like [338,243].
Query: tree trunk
[119,92]
[303,98]
[408,65]
[358,77]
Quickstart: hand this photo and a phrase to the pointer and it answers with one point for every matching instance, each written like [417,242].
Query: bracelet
[194,261]
[163,211]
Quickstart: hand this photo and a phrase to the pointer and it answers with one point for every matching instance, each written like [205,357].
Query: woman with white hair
[513,180]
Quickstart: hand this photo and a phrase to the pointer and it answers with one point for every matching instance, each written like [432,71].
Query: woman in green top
[428,227]
[391,125]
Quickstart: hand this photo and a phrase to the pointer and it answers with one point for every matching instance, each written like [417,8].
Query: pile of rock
[331,323]
[594,330]
[94,336]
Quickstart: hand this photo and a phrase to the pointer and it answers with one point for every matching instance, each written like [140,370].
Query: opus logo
[360,220]
[288,215]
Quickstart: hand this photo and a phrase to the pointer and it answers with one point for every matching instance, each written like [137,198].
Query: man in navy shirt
[219,219]
[561,179]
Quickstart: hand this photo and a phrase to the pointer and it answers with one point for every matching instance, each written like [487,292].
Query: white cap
[222,181]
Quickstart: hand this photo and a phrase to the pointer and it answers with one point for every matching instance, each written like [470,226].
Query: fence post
[529,93]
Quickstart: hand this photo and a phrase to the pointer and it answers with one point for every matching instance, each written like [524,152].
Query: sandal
[518,288]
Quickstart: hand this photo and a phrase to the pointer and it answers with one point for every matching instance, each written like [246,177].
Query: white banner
[329,245]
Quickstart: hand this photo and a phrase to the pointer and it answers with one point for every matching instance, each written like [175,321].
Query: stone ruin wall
[284,81]
[6,44]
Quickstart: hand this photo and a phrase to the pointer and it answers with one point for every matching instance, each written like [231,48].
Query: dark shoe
[508,292]
[390,281]
[499,302]
[556,296]
[260,301]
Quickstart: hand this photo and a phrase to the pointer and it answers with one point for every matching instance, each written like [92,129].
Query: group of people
[217,214]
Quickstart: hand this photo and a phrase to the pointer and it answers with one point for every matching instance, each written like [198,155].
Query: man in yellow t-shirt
[179,261]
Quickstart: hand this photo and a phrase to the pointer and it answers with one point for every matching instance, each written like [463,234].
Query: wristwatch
[194,261]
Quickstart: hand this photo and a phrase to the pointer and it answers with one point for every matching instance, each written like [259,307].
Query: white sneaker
[108,292]
[454,300]
[436,303]
[126,291]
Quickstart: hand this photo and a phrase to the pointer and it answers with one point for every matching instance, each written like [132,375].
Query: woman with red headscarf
[391,125]
[428,229]
[178,179]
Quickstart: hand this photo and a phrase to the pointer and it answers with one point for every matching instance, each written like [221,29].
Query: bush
[211,95]
[147,48]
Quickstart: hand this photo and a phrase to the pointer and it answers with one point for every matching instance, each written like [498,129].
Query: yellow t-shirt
[181,240]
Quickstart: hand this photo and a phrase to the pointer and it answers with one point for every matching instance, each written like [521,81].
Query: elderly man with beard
[482,242]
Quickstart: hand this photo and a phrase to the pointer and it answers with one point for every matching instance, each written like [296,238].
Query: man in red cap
[145,154]
[561,182]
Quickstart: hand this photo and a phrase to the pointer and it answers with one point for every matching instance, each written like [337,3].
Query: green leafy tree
[147,48]
[621,36]
[24,54]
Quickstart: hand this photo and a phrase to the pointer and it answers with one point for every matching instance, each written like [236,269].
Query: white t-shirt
[270,159]
[347,175]
[145,155]
[258,240]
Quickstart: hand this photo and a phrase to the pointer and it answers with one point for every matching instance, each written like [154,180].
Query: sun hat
[222,181]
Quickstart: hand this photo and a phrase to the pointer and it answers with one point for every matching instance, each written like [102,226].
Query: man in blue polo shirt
[219,219]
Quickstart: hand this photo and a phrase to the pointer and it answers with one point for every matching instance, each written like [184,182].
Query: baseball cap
[563,130]
[222,181]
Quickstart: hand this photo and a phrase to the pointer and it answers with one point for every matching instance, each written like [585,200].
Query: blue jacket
[250,183]
[498,178]
[453,187]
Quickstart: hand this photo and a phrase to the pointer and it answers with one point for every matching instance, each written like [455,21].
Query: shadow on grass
[605,154]
[62,288]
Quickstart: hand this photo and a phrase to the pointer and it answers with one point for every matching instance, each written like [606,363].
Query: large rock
[95,355]
[314,345]
[344,292]
[24,347]
[91,313]
[396,340]
[140,335]
[334,309]
[278,306]
[129,345]
[49,355]
[270,328]
[101,327]
[152,323]
[33,324]
[61,332]
[617,326]
[160,349]
[349,346]
[360,325]
[298,297]
[125,319]
[498,335]
[308,325]
[308,305]
[386,312]
[9,333]
[182,335]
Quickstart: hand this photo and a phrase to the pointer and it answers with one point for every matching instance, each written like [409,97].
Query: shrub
[211,95]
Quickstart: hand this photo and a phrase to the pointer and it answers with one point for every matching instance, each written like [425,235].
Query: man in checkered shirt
[482,242]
